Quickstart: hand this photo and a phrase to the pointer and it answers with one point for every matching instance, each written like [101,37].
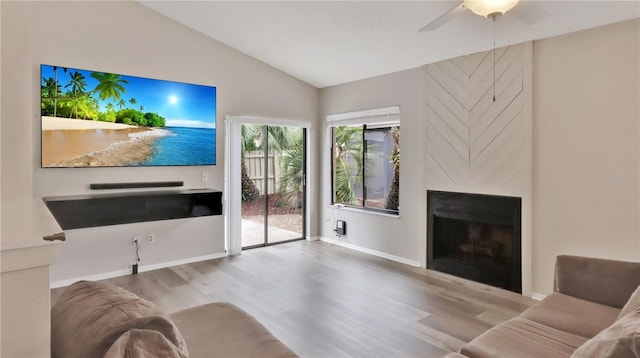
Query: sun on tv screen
[99,119]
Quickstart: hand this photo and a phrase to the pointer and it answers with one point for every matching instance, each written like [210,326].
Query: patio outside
[279,174]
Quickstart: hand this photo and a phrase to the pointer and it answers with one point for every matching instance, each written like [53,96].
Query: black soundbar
[156,184]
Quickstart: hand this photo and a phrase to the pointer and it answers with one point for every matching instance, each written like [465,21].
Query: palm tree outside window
[366,162]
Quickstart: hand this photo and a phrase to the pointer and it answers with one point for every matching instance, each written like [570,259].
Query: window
[366,159]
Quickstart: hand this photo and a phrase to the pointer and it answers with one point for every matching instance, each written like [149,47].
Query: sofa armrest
[221,329]
[608,282]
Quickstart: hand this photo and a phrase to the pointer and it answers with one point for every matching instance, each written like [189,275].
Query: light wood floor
[323,300]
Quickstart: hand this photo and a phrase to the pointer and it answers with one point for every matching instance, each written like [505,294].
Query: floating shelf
[83,211]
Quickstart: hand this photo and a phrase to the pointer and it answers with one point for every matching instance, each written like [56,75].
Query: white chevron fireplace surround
[475,145]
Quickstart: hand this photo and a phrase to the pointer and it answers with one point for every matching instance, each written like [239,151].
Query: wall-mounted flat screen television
[99,119]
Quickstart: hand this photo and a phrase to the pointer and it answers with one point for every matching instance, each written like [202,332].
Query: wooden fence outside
[255,164]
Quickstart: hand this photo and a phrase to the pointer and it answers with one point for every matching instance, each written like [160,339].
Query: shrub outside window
[366,166]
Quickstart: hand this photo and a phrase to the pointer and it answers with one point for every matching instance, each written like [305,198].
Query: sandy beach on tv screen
[86,143]
[56,123]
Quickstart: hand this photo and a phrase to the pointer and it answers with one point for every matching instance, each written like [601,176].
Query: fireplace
[476,237]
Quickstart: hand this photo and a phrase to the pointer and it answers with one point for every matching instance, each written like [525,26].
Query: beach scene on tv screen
[99,119]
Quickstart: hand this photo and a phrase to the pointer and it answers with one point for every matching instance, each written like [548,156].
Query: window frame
[378,118]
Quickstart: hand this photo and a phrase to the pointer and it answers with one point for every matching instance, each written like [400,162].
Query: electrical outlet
[135,239]
[151,238]
[205,176]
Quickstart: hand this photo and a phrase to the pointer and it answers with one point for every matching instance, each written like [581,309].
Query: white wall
[586,152]
[586,146]
[1,115]
[110,252]
[126,38]
[17,120]
[399,237]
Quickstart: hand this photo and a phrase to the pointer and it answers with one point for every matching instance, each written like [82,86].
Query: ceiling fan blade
[444,18]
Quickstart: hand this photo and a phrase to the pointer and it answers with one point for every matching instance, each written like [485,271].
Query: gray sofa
[594,311]
[93,319]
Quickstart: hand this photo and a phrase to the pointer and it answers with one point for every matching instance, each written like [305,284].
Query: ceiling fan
[491,9]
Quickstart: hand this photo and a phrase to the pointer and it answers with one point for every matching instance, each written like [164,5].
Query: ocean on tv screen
[185,146]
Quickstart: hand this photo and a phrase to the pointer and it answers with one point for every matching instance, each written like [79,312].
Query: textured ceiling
[325,43]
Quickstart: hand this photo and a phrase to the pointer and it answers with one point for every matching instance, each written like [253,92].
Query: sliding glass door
[273,184]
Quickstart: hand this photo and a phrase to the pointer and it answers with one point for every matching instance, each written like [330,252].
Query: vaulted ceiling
[325,43]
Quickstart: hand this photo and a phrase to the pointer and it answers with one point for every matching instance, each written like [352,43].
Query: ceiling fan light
[489,8]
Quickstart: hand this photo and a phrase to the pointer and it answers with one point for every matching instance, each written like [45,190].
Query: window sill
[362,211]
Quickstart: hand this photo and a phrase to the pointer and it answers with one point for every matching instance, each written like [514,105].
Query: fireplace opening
[476,237]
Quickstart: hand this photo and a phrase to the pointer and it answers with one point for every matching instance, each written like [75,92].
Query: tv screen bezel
[211,157]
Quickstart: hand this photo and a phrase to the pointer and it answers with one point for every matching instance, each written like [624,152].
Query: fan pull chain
[494,58]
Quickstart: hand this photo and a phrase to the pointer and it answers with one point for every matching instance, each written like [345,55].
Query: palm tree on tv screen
[89,107]
[55,94]
[78,85]
[48,90]
[110,86]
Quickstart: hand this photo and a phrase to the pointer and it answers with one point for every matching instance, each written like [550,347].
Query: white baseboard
[124,272]
[369,251]
[538,296]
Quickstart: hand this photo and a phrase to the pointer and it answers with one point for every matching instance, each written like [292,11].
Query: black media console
[82,211]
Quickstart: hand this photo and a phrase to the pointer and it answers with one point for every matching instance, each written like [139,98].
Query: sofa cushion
[608,282]
[143,343]
[572,315]
[522,338]
[621,340]
[223,330]
[90,316]
[632,304]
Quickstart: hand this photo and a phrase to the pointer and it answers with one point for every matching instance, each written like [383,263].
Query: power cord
[135,266]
